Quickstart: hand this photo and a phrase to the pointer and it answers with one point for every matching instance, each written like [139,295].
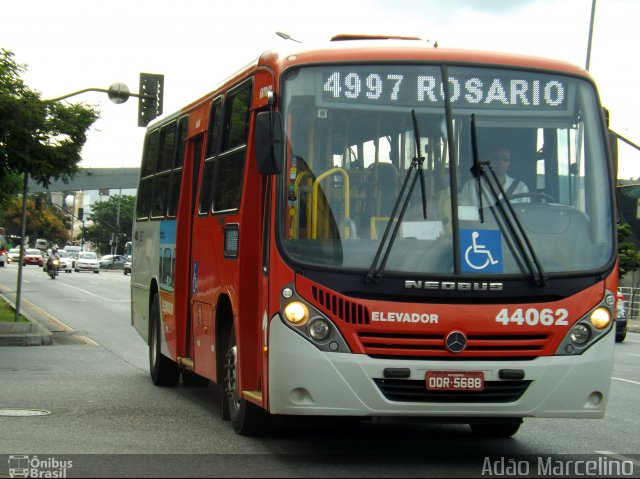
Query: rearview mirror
[268,141]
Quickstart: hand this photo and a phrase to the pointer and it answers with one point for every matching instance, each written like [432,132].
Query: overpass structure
[93,179]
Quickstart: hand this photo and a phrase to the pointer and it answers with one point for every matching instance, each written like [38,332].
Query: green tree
[628,256]
[37,137]
[104,216]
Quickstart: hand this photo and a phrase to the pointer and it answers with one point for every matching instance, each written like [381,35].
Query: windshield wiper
[477,169]
[402,201]
[507,212]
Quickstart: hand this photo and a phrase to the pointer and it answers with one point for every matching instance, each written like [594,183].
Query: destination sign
[415,87]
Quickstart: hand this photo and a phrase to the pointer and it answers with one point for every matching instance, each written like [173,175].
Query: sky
[70,45]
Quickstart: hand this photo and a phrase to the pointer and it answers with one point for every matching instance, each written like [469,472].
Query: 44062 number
[533,317]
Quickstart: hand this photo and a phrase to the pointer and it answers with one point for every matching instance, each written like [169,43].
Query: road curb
[32,333]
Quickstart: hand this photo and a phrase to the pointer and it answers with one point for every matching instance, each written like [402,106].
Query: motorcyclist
[52,254]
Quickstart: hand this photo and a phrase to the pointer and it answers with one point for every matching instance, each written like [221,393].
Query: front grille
[338,307]
[408,390]
[433,345]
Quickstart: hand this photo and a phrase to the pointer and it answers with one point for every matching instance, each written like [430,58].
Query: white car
[14,255]
[87,261]
[65,261]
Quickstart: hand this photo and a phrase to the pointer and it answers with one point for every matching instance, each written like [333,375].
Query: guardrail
[631,301]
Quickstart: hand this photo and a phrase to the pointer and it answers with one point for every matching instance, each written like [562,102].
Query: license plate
[454,380]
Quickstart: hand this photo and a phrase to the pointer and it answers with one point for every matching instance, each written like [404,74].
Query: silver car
[87,261]
[65,261]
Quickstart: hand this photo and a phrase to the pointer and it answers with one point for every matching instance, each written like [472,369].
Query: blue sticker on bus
[481,251]
[195,277]
[167,255]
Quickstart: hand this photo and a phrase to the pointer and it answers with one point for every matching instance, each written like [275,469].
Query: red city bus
[334,231]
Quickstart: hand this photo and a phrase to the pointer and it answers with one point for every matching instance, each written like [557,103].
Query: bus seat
[384,188]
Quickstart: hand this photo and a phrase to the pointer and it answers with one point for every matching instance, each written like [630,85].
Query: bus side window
[229,171]
[147,170]
[204,205]
[176,174]
[164,165]
[213,143]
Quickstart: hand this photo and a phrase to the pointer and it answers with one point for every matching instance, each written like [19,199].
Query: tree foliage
[628,256]
[104,216]
[43,221]
[37,137]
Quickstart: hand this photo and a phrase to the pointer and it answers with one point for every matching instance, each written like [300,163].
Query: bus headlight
[580,334]
[600,318]
[296,313]
[319,329]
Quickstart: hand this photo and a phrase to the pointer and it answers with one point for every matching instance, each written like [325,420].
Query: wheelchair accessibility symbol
[481,251]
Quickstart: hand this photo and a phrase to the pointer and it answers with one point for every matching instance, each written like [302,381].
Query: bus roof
[375,48]
[346,48]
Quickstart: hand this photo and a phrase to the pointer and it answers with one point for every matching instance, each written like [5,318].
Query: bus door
[199,314]
[204,255]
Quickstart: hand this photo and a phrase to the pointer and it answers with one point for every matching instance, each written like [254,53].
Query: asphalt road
[102,417]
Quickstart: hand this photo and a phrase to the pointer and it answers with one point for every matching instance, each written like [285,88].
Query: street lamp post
[149,107]
[70,201]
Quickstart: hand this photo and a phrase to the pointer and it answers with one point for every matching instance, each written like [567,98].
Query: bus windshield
[512,170]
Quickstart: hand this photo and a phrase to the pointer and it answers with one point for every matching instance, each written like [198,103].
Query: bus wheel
[247,418]
[164,372]
[504,428]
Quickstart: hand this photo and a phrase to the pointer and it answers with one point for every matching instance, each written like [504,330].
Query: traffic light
[80,213]
[150,100]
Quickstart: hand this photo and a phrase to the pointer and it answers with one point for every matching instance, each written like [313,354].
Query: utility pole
[593,16]
[23,232]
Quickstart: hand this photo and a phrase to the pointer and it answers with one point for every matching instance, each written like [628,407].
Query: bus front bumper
[306,381]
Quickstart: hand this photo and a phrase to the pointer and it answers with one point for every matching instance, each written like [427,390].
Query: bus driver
[500,159]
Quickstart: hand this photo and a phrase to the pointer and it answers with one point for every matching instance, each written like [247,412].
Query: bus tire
[503,428]
[164,372]
[247,418]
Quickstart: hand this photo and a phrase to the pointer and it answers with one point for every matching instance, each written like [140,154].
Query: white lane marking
[627,381]
[96,295]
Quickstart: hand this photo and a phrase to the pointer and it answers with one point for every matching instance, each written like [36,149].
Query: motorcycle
[53,267]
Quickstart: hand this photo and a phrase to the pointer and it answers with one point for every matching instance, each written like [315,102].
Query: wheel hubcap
[231,382]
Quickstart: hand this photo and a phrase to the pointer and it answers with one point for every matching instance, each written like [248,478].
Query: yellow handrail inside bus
[374,224]
[314,199]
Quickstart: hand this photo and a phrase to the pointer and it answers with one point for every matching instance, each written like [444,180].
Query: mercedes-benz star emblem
[456,341]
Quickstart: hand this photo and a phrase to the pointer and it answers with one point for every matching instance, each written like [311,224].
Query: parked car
[4,258]
[65,261]
[110,261]
[87,261]
[14,255]
[621,319]
[32,256]
[127,265]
